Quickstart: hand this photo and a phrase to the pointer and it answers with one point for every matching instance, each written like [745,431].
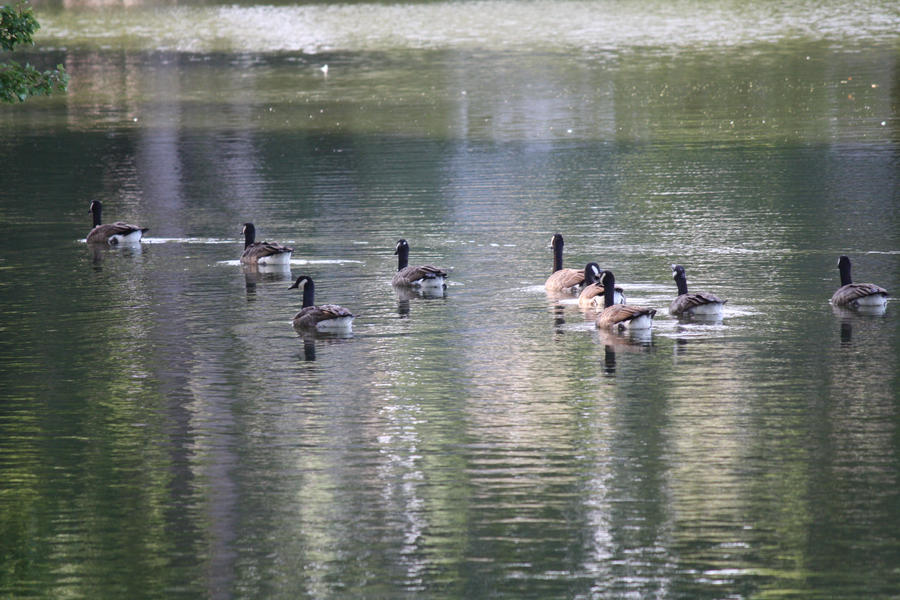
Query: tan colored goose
[562,280]
[621,316]
[856,295]
[112,233]
[263,253]
[592,296]
[695,303]
[417,276]
[325,317]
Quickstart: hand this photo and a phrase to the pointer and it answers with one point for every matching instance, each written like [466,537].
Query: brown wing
[591,295]
[564,280]
[849,294]
[332,311]
[407,275]
[257,250]
[311,315]
[686,302]
[619,313]
[102,233]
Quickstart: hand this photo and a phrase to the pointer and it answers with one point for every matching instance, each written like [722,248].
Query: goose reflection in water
[609,360]
[309,349]
[630,340]
[863,311]
[102,252]
[312,339]
[626,342]
[559,318]
[859,314]
[846,333]
[256,273]
[406,294]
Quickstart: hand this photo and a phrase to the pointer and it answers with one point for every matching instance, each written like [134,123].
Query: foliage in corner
[18,82]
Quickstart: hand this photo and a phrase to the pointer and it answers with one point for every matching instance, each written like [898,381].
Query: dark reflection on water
[165,432]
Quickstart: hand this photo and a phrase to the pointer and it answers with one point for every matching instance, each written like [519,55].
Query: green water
[165,432]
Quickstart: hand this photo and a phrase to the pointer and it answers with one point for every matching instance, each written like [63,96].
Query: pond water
[165,432]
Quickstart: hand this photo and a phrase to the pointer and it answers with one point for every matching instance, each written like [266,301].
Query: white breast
[130,238]
[283,258]
[641,322]
[872,300]
[341,324]
[710,309]
[434,282]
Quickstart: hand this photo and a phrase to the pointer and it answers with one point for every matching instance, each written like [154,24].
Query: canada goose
[592,294]
[855,295]
[263,253]
[418,276]
[325,317]
[562,280]
[112,233]
[696,303]
[621,316]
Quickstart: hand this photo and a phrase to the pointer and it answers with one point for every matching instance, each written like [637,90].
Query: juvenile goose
[696,303]
[325,317]
[621,316]
[418,276]
[855,295]
[562,280]
[112,233]
[592,294]
[263,253]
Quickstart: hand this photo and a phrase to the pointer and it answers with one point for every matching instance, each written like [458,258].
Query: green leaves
[17,82]
[17,26]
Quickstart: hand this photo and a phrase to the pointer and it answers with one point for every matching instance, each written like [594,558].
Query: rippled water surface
[165,432]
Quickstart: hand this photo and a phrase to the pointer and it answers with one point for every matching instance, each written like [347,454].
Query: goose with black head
[621,316]
[329,318]
[857,295]
[112,233]
[567,281]
[416,276]
[593,294]
[263,253]
[701,304]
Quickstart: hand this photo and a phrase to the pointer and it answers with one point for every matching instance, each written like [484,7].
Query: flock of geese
[596,288]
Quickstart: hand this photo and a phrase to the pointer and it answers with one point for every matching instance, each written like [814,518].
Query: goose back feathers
[325,317]
[696,303]
[112,233]
[418,276]
[263,253]
[621,316]
[562,280]
[855,295]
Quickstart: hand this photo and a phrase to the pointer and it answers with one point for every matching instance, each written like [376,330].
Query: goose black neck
[557,256]
[844,266]
[402,257]
[609,289]
[681,282]
[249,234]
[96,210]
[309,294]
